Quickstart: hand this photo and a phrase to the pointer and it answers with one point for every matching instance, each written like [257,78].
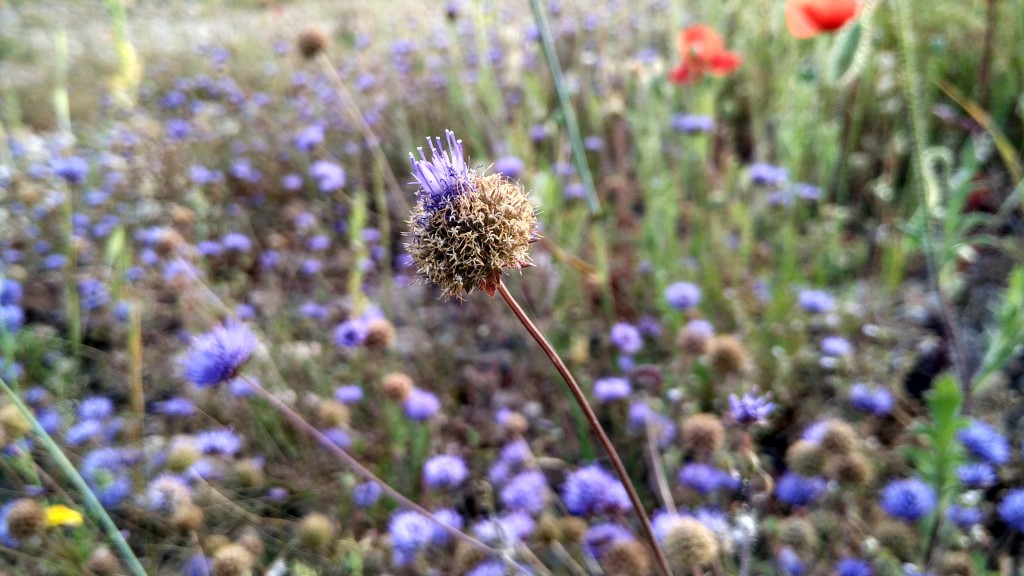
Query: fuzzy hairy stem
[299,422]
[912,86]
[91,502]
[595,425]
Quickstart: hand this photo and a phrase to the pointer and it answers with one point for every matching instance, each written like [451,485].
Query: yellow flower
[61,515]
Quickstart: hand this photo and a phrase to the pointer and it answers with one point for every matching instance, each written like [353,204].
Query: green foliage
[1006,334]
[937,461]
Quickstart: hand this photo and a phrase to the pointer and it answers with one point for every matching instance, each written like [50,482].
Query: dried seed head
[549,529]
[805,458]
[25,518]
[188,518]
[728,355]
[702,432]
[182,455]
[103,562]
[312,41]
[315,532]
[380,334]
[467,228]
[956,564]
[251,541]
[693,340]
[573,529]
[839,438]
[232,560]
[396,386]
[899,538]
[14,424]
[799,534]
[852,469]
[689,544]
[249,472]
[333,414]
[516,424]
[626,558]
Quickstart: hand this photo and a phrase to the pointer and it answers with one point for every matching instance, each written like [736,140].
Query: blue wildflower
[591,490]
[330,177]
[836,346]
[985,443]
[789,563]
[527,491]
[410,533]
[626,338]
[444,472]
[611,389]
[964,517]
[692,123]
[751,408]
[175,407]
[854,567]
[503,529]
[351,333]
[72,169]
[510,167]
[221,441]
[218,355]
[797,490]
[705,478]
[447,517]
[815,301]
[976,475]
[872,399]
[421,405]
[602,536]
[767,174]
[1011,509]
[908,499]
[350,394]
[682,295]
[95,408]
[366,494]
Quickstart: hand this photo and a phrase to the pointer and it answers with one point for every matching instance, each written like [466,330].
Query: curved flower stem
[360,470]
[91,502]
[595,426]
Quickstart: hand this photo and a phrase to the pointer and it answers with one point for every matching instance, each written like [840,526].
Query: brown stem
[300,422]
[595,426]
[986,56]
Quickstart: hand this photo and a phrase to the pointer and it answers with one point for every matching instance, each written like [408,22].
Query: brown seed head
[852,469]
[25,518]
[573,529]
[103,562]
[901,539]
[463,243]
[799,534]
[312,41]
[315,532]
[692,341]
[702,432]
[956,564]
[839,438]
[805,458]
[396,386]
[728,355]
[333,414]
[380,334]
[626,558]
[188,518]
[14,424]
[689,544]
[232,560]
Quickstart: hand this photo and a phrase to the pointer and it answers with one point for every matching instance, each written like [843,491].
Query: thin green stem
[595,425]
[91,502]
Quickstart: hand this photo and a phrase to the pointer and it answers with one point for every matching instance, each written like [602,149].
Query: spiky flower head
[466,227]
[689,544]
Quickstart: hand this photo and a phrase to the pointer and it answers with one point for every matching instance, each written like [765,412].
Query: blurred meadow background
[780,245]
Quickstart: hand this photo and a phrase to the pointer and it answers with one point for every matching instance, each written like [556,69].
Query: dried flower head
[231,560]
[396,386]
[315,531]
[689,544]
[312,41]
[25,518]
[626,558]
[702,432]
[466,228]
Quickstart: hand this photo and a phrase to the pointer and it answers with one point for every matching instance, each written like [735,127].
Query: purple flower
[10,292]
[591,490]
[984,443]
[95,408]
[751,409]
[83,431]
[909,499]
[410,532]
[339,436]
[218,442]
[510,527]
[836,346]
[516,452]
[705,478]
[854,567]
[976,475]
[318,243]
[236,242]
[72,169]
[444,472]
[1011,509]
[682,295]
[626,338]
[210,248]
[445,174]
[309,137]
[767,174]
[12,318]
[366,494]
[177,407]
[350,394]
[218,355]
[421,405]
[873,399]
[797,490]
[789,563]
[447,517]
[963,517]
[527,491]
[611,389]
[350,333]
[602,536]
[510,167]
[692,123]
[574,191]
[330,177]
[816,301]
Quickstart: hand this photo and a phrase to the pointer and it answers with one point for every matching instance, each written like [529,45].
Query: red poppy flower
[808,18]
[703,52]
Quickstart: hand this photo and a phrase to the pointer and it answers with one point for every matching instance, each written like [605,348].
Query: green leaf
[842,57]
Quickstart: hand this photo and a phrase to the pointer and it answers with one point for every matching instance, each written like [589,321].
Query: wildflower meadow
[488,288]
